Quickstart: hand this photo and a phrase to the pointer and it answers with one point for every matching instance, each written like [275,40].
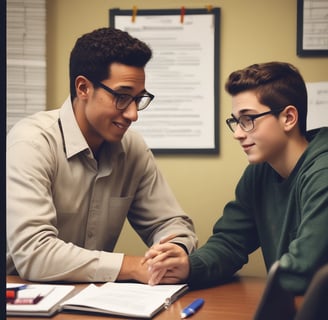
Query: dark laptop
[276,303]
[315,303]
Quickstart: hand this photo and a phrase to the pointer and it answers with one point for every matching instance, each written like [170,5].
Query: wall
[251,31]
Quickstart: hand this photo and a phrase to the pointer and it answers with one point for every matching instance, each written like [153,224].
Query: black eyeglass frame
[251,117]
[118,96]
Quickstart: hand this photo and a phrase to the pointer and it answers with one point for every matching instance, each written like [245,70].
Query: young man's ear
[290,117]
[82,85]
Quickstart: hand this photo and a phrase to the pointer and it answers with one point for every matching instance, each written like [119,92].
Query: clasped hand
[167,263]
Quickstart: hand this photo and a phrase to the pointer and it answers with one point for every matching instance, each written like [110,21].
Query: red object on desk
[25,300]
[11,292]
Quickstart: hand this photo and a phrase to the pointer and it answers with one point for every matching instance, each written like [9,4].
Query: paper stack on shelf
[26,58]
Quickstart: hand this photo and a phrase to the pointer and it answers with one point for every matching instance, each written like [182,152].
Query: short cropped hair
[94,52]
[276,84]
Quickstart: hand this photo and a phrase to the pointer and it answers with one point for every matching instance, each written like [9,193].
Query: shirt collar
[74,140]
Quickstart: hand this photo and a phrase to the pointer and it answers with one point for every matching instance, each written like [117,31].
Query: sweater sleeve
[226,251]
[309,249]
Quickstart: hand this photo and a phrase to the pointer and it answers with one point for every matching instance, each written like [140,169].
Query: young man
[75,174]
[281,202]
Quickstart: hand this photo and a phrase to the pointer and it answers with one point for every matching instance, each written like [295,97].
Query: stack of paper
[52,295]
[26,58]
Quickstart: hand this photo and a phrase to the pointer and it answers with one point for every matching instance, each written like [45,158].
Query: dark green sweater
[287,218]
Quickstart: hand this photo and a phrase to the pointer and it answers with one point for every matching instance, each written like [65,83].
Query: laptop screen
[276,302]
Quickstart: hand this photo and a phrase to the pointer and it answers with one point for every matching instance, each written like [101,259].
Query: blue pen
[192,308]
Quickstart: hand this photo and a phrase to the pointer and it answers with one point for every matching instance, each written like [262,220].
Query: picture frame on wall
[312,28]
[182,74]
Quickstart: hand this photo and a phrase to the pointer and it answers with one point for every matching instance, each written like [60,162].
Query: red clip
[182,14]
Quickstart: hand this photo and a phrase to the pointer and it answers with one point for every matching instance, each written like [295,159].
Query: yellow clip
[134,13]
[209,7]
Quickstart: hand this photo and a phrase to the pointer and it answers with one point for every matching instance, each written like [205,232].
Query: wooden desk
[237,300]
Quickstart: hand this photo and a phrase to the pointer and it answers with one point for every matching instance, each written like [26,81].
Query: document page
[181,75]
[317,105]
[315,35]
[128,299]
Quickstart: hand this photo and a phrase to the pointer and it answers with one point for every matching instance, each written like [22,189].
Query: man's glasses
[123,100]
[246,122]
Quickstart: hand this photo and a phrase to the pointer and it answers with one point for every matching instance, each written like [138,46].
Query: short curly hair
[95,51]
[276,84]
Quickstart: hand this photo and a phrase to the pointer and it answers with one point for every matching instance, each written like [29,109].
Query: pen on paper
[192,308]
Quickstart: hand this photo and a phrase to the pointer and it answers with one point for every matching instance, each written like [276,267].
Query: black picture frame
[312,28]
[215,16]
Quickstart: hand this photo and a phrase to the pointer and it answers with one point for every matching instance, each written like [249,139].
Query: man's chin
[113,138]
[253,160]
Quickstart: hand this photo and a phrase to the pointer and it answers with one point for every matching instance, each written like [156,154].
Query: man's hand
[134,268]
[167,263]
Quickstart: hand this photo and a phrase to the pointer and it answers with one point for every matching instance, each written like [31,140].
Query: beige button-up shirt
[65,210]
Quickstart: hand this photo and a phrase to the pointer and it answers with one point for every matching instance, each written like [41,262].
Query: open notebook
[125,299]
[276,302]
[122,299]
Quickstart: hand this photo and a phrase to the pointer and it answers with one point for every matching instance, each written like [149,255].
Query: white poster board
[317,105]
[182,74]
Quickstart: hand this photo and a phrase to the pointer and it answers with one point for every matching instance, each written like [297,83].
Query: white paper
[315,33]
[317,105]
[47,305]
[181,76]
[129,299]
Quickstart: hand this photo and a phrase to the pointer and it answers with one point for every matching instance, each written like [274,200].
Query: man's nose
[131,112]
[239,133]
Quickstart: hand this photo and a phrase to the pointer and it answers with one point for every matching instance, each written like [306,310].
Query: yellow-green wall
[251,31]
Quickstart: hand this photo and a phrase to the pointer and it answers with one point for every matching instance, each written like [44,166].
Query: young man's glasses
[246,122]
[123,100]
